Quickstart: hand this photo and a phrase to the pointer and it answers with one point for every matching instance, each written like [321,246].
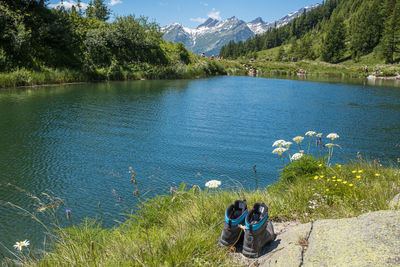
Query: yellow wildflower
[358,176]
[354,171]
[334,180]
[335,184]
[339,166]
[350,185]
[322,176]
[319,165]
[334,177]
[360,171]
[327,190]
[328,180]
[377,174]
[316,177]
[339,180]
[344,182]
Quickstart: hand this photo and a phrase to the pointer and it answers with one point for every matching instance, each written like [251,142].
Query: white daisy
[21,244]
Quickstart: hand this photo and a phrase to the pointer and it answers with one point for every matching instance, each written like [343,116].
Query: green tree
[281,53]
[391,33]
[334,43]
[366,28]
[98,9]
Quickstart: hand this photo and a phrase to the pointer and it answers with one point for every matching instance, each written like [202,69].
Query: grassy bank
[182,228]
[198,68]
[268,62]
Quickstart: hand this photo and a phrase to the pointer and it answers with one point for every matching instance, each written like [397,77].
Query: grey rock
[395,203]
[372,239]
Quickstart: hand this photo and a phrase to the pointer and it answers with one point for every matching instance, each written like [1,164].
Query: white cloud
[115,2]
[68,4]
[203,3]
[198,19]
[214,14]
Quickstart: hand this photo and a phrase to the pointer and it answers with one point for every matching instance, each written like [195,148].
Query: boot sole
[224,244]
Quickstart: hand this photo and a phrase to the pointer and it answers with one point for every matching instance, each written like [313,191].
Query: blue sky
[192,12]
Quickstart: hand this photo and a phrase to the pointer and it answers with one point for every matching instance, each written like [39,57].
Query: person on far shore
[366,69]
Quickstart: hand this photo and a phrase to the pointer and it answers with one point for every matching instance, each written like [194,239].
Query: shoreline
[270,75]
[207,68]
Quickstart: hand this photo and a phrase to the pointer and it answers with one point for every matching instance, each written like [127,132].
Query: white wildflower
[21,244]
[279,151]
[287,144]
[310,133]
[332,136]
[213,184]
[279,143]
[298,139]
[319,135]
[243,227]
[296,156]
[329,145]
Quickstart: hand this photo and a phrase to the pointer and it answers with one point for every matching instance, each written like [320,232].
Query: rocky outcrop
[372,239]
[395,203]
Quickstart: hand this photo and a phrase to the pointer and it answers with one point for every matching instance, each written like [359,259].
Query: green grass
[182,227]
[198,68]
[267,64]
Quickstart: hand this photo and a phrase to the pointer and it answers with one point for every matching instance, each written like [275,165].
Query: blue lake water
[78,141]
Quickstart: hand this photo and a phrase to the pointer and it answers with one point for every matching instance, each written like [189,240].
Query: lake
[78,141]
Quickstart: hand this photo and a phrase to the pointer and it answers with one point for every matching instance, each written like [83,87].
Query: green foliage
[334,45]
[366,28]
[306,166]
[35,39]
[184,55]
[277,36]
[391,33]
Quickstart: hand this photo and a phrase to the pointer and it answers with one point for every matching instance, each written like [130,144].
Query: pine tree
[101,10]
[334,43]
[391,38]
[98,10]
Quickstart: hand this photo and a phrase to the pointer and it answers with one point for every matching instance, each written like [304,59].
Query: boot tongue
[261,209]
[239,205]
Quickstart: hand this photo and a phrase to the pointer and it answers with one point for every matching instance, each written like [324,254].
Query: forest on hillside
[35,37]
[335,31]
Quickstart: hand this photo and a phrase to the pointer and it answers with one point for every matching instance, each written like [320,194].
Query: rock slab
[372,239]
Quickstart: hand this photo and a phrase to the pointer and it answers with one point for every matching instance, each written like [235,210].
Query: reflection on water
[77,141]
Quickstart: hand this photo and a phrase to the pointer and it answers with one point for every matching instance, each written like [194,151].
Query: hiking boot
[259,232]
[235,215]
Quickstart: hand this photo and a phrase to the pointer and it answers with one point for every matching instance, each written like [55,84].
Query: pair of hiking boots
[258,230]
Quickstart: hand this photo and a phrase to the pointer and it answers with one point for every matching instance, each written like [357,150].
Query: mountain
[331,32]
[211,35]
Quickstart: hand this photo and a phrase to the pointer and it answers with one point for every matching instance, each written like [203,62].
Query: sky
[191,13]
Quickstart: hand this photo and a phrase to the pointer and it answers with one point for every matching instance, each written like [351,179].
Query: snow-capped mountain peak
[211,35]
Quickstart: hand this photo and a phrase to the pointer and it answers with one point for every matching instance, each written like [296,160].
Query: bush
[306,166]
